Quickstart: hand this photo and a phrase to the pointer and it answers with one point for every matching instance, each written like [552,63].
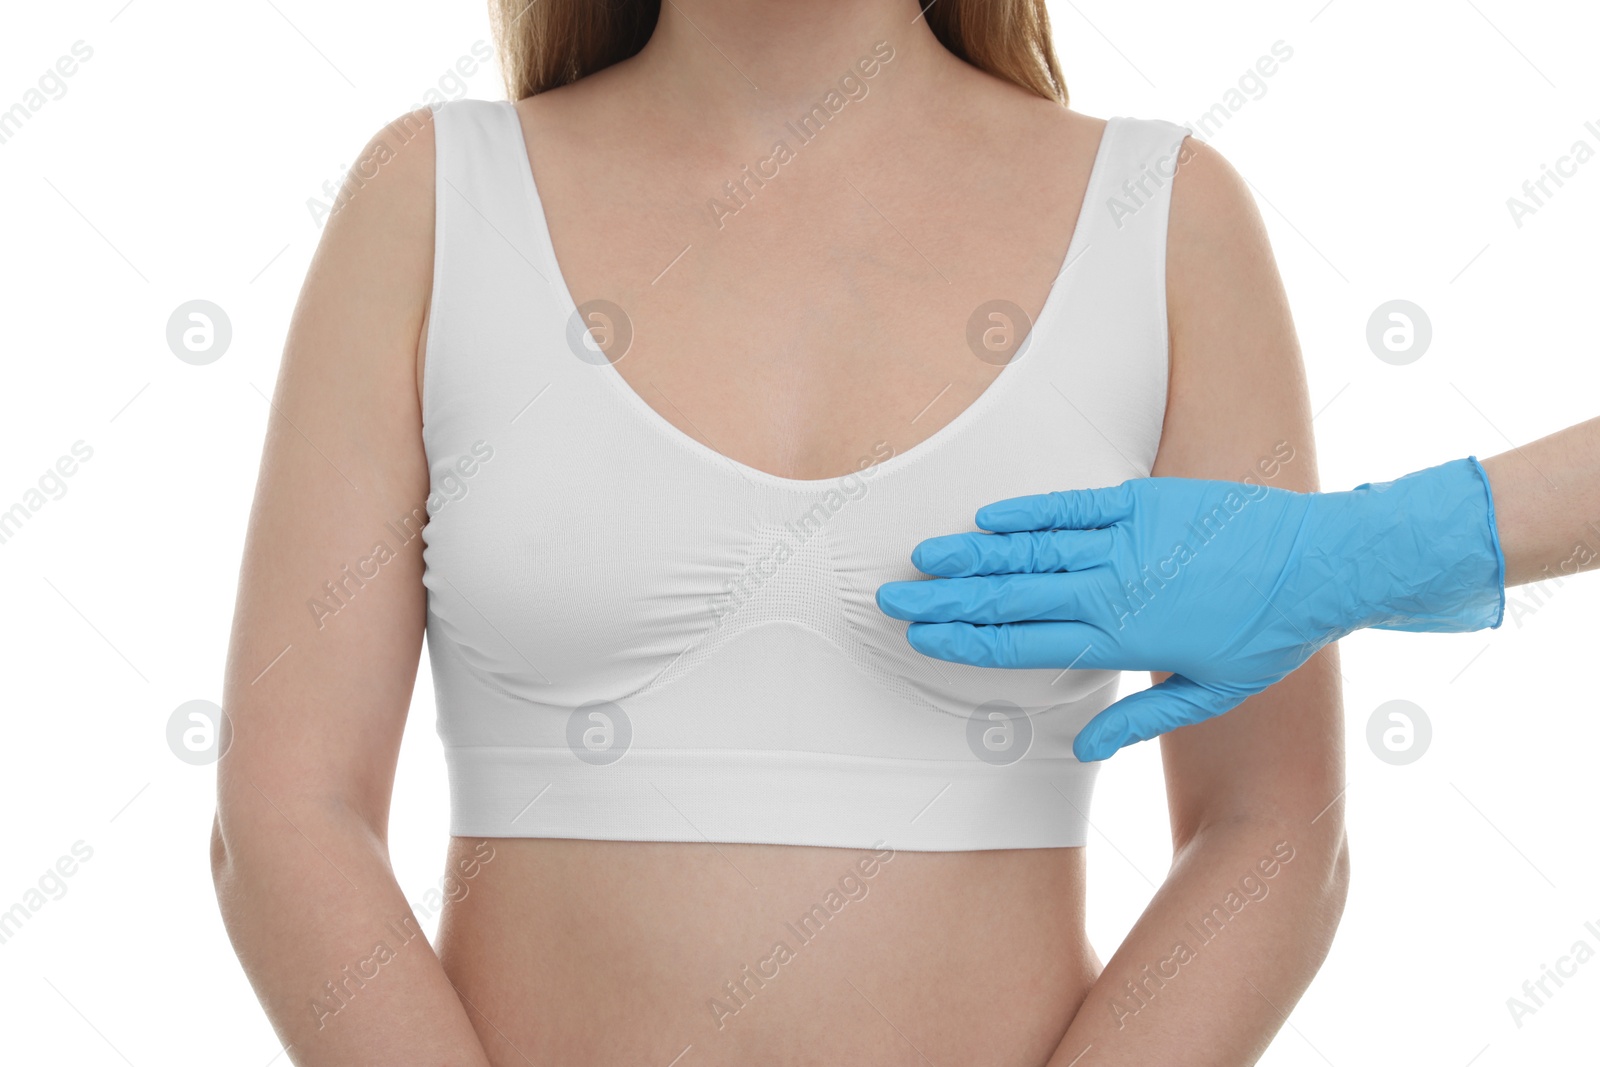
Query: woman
[685,350]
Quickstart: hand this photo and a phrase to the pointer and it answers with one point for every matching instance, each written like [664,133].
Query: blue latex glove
[1229,586]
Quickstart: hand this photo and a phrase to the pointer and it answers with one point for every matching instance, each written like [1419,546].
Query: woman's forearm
[1225,949]
[329,942]
[1547,504]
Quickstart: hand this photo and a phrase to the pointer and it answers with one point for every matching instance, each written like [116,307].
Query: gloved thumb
[1140,716]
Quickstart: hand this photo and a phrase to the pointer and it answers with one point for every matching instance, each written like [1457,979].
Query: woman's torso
[604,952]
[809,323]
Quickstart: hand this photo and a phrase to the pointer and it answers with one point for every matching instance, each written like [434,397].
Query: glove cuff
[1433,562]
[1497,612]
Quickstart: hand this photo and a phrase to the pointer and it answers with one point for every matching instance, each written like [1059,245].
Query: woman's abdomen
[596,953]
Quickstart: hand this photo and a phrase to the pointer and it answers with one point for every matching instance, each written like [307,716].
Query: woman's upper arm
[1236,406]
[328,624]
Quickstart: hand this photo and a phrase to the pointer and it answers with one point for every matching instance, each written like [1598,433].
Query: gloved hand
[1229,586]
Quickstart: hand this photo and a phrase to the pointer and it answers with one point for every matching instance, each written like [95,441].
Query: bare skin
[1547,504]
[827,314]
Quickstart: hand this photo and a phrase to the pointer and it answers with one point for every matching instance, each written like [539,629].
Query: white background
[178,165]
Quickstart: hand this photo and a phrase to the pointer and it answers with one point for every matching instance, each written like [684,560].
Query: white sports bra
[634,637]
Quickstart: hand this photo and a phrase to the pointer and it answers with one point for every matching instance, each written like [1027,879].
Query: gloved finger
[1017,645]
[996,599]
[1150,712]
[1071,509]
[1032,552]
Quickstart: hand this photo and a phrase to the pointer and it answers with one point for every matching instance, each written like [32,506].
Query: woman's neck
[732,59]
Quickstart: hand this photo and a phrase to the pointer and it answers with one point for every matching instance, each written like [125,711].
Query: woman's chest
[821,319]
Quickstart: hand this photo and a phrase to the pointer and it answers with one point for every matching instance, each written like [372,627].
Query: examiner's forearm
[1547,504]
[329,942]
[1221,955]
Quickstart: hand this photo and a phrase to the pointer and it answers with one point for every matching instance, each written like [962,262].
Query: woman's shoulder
[392,178]
[404,146]
[1213,210]
[374,261]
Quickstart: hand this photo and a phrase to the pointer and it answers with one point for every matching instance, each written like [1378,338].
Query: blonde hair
[550,43]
